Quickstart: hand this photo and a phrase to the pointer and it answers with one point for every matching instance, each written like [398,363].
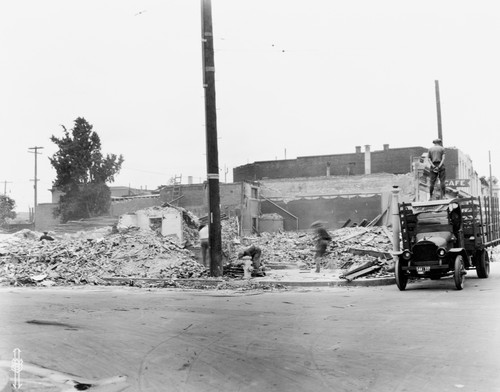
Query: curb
[334,283]
[263,282]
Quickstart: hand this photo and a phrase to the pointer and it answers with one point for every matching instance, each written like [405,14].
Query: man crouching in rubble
[321,238]
[254,252]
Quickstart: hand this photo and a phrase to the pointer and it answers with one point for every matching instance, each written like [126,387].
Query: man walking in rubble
[436,157]
[321,238]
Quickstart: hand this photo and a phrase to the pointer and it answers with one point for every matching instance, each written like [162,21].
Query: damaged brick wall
[395,161]
[131,205]
[372,183]
[333,199]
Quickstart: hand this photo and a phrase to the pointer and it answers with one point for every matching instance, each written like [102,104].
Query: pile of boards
[93,257]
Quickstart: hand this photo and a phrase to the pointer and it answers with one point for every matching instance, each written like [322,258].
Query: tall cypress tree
[82,172]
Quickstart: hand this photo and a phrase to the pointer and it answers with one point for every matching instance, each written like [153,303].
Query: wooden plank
[370,252]
[366,271]
[387,233]
[377,219]
[346,223]
[359,268]
[363,231]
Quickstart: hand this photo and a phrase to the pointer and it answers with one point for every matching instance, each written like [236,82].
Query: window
[254,193]
[254,226]
[155,224]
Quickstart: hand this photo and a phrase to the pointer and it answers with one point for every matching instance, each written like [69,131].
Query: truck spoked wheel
[459,272]
[401,277]
[482,264]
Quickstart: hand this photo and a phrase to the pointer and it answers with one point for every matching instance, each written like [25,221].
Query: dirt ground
[429,338]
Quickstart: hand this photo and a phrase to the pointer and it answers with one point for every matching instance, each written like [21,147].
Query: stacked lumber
[79,260]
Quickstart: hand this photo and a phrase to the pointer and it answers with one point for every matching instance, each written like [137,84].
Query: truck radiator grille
[425,254]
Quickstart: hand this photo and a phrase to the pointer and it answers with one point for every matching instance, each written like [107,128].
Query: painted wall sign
[458,183]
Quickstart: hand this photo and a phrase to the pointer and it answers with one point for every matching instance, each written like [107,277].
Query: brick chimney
[358,149]
[368,160]
[386,147]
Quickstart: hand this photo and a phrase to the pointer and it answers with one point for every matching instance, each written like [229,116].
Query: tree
[7,206]
[485,181]
[82,172]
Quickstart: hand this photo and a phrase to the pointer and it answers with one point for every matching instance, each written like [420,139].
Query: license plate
[423,269]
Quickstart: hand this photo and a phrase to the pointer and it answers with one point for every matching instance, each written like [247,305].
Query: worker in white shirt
[203,231]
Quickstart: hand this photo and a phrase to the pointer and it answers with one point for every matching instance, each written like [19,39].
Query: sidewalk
[304,278]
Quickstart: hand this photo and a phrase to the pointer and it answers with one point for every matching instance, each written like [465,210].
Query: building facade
[388,160]
[241,199]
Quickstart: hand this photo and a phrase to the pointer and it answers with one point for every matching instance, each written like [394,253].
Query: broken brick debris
[132,255]
[81,260]
[350,248]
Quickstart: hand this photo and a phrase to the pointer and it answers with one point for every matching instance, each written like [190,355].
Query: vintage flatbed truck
[446,237]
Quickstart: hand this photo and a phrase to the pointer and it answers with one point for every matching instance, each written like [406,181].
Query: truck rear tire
[483,264]
[459,272]
[401,277]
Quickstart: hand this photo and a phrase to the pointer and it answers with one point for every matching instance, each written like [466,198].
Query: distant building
[354,187]
[241,199]
[388,160]
[123,200]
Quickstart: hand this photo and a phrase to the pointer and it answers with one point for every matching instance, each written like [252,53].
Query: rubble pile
[99,256]
[230,238]
[190,226]
[77,260]
[349,249]
[285,247]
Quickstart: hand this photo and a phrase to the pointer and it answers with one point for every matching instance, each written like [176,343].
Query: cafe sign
[458,183]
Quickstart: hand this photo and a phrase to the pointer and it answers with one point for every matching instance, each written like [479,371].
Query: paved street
[428,338]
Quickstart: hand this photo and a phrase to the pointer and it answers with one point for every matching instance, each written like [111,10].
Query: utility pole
[491,186]
[214,225]
[438,108]
[5,187]
[36,148]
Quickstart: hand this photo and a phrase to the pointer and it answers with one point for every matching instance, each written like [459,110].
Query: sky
[292,78]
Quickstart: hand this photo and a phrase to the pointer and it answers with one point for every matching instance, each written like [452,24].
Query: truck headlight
[441,252]
[406,255]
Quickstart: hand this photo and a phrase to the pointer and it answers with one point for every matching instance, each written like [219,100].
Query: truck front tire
[401,277]
[459,272]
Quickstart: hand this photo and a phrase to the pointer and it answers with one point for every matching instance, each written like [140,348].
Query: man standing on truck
[436,157]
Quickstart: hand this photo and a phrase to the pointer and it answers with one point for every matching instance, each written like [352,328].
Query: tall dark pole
[36,148]
[491,181]
[438,108]
[214,226]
